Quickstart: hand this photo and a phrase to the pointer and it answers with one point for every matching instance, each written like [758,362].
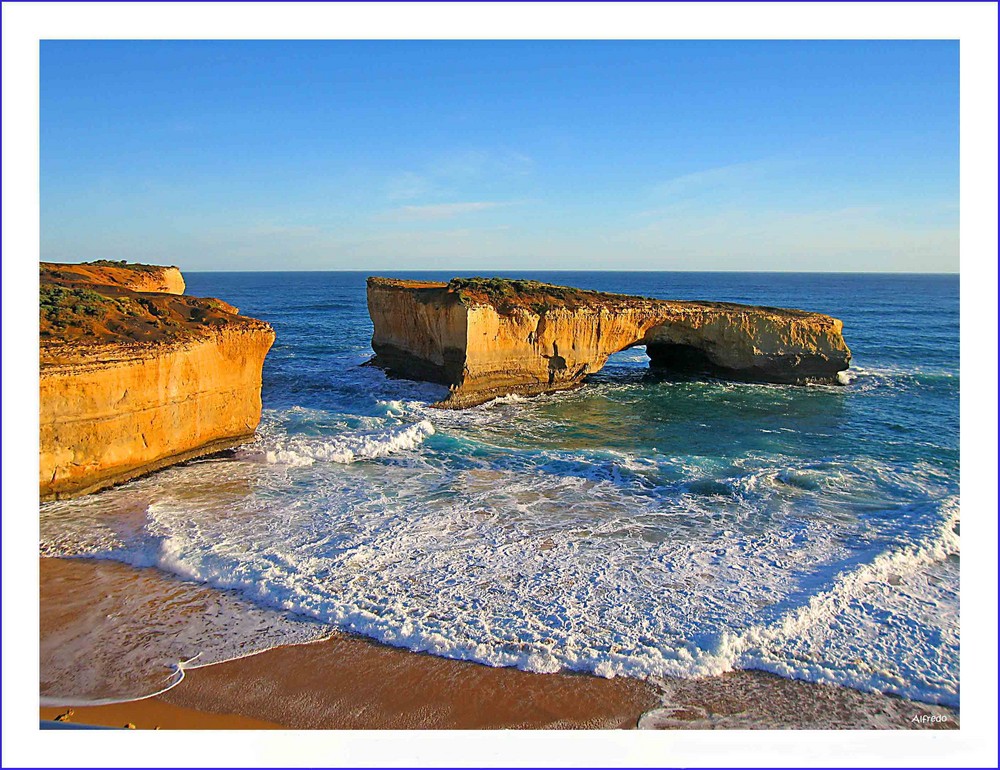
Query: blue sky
[660,155]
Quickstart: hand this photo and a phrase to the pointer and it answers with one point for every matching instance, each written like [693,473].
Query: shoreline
[341,681]
[352,682]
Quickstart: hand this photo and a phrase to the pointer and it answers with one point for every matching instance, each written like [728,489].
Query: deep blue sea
[644,525]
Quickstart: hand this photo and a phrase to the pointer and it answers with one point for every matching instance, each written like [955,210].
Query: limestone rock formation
[133,276]
[490,337]
[135,379]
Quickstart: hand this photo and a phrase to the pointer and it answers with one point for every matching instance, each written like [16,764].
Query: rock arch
[489,337]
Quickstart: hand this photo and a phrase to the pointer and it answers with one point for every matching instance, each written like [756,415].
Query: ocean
[646,525]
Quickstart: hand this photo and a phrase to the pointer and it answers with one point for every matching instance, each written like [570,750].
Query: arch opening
[660,356]
[680,358]
[629,364]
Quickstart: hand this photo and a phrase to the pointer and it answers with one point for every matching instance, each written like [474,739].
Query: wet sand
[341,682]
[154,714]
[349,682]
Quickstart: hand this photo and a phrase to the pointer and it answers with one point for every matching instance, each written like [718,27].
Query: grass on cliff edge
[74,314]
[62,307]
[122,263]
[508,293]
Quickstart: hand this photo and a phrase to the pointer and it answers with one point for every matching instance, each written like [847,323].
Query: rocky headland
[135,376]
[486,338]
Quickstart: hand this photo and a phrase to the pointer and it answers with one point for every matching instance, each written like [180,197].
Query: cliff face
[487,338]
[134,381]
[419,330]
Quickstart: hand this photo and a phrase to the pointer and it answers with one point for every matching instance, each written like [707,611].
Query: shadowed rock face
[486,338]
[134,376]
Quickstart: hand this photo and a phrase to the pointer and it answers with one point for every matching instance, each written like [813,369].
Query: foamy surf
[767,647]
[591,565]
[347,448]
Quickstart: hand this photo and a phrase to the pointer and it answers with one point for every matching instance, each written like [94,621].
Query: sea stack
[486,338]
[136,376]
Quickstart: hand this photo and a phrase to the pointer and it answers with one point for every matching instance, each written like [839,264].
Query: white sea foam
[901,370]
[593,560]
[849,598]
[510,398]
[346,448]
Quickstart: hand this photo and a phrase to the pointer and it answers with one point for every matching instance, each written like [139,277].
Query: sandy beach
[352,683]
[349,682]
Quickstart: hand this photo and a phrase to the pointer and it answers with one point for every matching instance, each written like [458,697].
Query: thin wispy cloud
[408,185]
[843,238]
[466,164]
[436,211]
[719,176]
[281,231]
[452,174]
[719,181]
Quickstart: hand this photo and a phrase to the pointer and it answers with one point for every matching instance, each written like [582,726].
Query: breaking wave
[347,448]
[592,562]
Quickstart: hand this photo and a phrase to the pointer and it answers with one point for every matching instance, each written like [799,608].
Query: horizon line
[585,270]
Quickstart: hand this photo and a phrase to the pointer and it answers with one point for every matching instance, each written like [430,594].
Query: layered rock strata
[486,338]
[132,381]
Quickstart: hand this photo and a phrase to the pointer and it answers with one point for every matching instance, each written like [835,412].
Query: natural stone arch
[490,337]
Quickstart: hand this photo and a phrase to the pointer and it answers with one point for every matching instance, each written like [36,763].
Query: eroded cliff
[485,338]
[125,275]
[132,381]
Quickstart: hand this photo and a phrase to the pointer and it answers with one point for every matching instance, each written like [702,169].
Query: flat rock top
[134,275]
[509,294]
[89,313]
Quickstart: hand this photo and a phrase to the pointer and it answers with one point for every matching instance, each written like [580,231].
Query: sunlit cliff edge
[135,376]
[486,338]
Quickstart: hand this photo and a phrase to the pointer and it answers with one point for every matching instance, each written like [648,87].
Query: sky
[503,155]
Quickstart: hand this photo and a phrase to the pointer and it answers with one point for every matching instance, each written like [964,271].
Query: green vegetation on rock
[508,293]
[138,266]
[61,306]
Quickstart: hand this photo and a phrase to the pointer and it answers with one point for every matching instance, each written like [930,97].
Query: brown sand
[352,683]
[153,714]
[349,682]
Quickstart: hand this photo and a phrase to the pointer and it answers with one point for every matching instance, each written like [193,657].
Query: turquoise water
[645,525]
